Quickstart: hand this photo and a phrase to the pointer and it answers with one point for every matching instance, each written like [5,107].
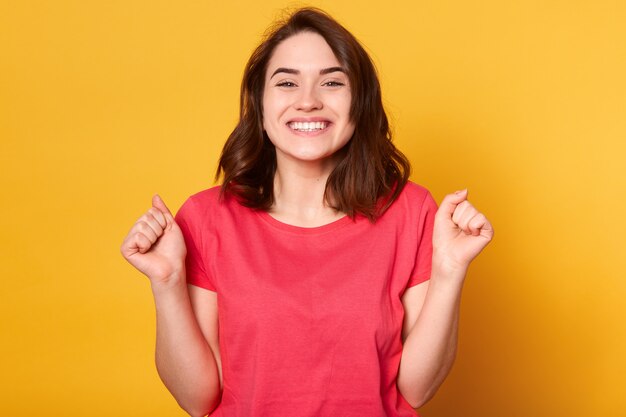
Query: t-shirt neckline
[325,228]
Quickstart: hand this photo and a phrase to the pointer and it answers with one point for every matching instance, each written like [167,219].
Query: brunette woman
[316,280]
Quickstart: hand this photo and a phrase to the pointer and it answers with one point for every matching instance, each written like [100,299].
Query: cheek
[266,107]
[269,122]
[349,132]
[343,104]
[266,113]
[271,109]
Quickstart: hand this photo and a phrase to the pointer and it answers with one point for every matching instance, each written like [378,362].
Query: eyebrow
[296,72]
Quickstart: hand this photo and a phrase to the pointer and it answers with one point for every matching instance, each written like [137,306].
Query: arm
[432,308]
[186,318]
[430,339]
[185,360]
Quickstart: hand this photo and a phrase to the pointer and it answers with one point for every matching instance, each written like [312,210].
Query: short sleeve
[424,255]
[193,225]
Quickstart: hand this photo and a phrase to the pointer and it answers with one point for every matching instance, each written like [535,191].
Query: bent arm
[460,233]
[430,337]
[185,359]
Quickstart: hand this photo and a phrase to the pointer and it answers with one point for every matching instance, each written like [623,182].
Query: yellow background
[103,103]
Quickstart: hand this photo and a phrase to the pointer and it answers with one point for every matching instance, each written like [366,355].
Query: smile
[307,126]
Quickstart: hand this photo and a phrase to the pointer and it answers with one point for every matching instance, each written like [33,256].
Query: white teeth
[307,126]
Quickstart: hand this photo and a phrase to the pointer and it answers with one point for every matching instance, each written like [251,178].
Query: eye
[286,84]
[333,84]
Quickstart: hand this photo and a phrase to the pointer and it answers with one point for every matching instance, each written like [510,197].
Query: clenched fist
[460,233]
[155,245]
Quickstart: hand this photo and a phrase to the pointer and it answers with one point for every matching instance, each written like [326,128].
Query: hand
[155,244]
[460,233]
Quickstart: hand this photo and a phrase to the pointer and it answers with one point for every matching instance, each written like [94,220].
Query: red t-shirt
[310,319]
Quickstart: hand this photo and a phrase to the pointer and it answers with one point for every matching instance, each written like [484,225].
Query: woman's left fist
[460,233]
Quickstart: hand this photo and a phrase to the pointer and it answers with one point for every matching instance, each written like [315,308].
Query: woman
[336,281]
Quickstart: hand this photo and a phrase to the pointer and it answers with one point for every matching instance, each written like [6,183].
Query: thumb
[158,203]
[449,202]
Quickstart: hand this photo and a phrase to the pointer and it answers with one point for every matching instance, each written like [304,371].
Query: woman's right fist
[155,245]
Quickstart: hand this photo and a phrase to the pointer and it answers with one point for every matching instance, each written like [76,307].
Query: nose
[308,99]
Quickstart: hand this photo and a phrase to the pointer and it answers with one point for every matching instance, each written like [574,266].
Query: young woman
[317,280]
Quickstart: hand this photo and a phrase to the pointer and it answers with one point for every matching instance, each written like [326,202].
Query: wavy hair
[372,172]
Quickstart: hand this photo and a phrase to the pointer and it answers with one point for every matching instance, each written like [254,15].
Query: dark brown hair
[372,173]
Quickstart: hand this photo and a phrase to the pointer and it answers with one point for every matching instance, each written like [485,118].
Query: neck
[299,193]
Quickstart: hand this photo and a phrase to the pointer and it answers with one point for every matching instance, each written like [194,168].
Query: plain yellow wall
[103,103]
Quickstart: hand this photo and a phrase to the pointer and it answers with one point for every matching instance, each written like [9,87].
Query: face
[306,101]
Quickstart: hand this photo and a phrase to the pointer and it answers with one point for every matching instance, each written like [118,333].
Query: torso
[310,318]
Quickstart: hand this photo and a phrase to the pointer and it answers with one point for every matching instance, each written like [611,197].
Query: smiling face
[306,101]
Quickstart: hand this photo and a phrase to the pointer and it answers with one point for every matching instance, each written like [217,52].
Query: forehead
[305,50]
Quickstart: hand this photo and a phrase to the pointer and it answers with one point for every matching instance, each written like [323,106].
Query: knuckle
[143,241]
[152,212]
[157,215]
[145,229]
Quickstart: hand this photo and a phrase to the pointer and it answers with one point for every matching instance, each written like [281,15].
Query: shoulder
[211,206]
[414,189]
[416,195]
[211,198]
[208,196]
[201,204]
[414,204]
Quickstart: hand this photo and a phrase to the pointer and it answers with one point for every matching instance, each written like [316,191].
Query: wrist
[445,267]
[170,296]
[174,281]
